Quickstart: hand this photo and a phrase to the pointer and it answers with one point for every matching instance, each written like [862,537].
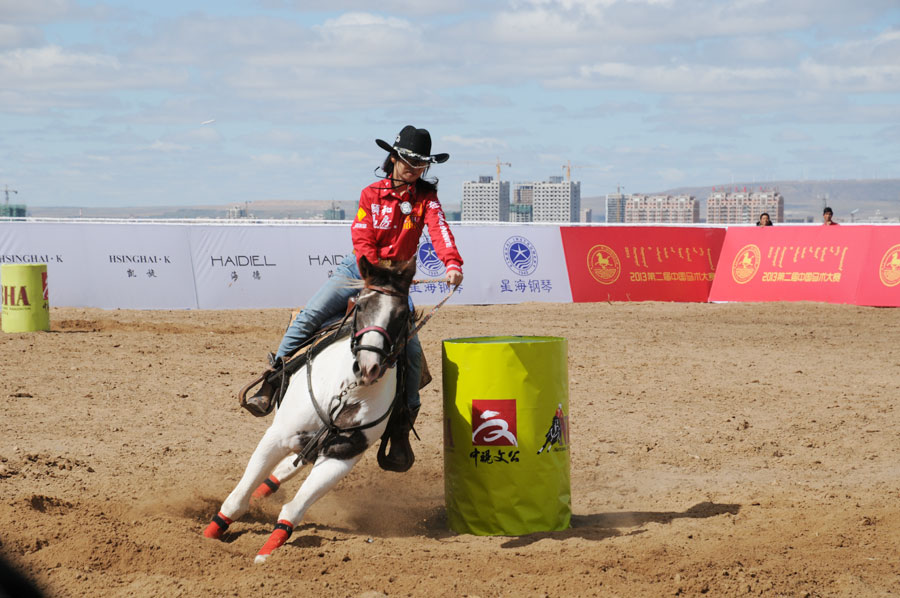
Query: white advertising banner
[138,266]
[502,264]
[109,265]
[60,246]
[264,266]
[133,265]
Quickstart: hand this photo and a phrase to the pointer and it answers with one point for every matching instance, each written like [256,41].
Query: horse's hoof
[260,559]
[213,531]
[280,534]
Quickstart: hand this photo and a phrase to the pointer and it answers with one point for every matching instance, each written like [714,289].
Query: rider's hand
[455,277]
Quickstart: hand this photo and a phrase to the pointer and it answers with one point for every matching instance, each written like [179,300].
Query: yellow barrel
[506,435]
[26,306]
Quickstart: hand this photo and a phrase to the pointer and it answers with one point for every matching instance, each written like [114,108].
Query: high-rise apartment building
[485,201]
[677,209]
[743,207]
[556,200]
[615,207]
[522,207]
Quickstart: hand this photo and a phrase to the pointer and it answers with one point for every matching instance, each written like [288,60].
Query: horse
[334,408]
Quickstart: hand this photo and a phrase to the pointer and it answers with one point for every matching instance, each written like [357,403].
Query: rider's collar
[409,193]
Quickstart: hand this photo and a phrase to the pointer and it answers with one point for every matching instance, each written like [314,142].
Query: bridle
[395,346]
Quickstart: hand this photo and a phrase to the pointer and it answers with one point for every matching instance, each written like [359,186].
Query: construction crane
[498,164]
[568,166]
[7,190]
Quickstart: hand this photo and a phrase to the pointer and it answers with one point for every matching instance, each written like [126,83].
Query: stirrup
[395,452]
[262,403]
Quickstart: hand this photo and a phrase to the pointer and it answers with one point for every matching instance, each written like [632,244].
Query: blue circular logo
[429,262]
[520,255]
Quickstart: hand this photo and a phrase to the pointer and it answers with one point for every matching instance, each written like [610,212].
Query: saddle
[273,381]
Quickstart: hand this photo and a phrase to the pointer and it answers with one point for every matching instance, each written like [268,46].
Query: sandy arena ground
[722,450]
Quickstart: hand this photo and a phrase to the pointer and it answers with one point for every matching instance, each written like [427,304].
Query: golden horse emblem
[889,269]
[746,264]
[603,264]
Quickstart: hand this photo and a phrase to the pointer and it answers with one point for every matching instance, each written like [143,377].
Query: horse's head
[381,319]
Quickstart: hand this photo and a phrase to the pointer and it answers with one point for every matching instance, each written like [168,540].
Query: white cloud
[684,78]
[480,143]
[279,160]
[53,68]
[791,135]
[168,146]
[33,61]
[619,82]
[859,78]
[36,11]
[672,175]
[12,36]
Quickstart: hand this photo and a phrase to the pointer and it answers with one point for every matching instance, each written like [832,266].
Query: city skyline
[105,103]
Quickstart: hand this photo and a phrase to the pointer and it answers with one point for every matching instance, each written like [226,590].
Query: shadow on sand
[600,526]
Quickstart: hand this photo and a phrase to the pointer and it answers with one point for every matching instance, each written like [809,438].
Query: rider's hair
[422,186]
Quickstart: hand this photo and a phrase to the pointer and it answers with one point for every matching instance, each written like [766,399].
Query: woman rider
[388,225]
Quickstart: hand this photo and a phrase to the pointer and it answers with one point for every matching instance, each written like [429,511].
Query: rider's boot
[262,403]
[399,456]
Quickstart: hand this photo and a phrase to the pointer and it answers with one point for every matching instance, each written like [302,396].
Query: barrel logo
[494,422]
[557,436]
[15,296]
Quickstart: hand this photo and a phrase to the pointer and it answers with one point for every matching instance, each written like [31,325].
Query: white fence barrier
[215,265]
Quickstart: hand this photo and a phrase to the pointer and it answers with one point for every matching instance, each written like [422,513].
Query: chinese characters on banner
[793,263]
[641,263]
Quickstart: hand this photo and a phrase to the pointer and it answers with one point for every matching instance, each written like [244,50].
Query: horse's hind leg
[268,453]
[327,472]
[283,472]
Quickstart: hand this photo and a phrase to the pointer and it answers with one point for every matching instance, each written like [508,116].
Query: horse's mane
[359,284]
[397,275]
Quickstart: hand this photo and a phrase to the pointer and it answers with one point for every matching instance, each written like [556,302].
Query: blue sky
[104,103]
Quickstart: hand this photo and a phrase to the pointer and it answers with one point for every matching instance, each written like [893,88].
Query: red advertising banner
[641,263]
[792,263]
[879,281]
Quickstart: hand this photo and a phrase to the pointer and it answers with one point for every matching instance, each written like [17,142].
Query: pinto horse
[334,408]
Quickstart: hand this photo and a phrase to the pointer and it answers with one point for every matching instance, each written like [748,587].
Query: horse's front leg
[283,472]
[272,448]
[326,472]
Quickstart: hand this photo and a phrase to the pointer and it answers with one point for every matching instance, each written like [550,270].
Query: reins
[434,309]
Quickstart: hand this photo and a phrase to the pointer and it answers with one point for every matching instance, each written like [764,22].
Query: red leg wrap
[267,488]
[215,529]
[279,536]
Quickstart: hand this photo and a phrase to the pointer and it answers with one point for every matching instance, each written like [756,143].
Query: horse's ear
[408,270]
[365,266]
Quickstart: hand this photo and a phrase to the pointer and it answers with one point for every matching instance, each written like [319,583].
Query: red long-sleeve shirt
[382,231]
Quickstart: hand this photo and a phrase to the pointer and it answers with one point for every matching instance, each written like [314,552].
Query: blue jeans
[331,301]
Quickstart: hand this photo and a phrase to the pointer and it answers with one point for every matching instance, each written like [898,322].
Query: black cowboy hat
[413,143]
